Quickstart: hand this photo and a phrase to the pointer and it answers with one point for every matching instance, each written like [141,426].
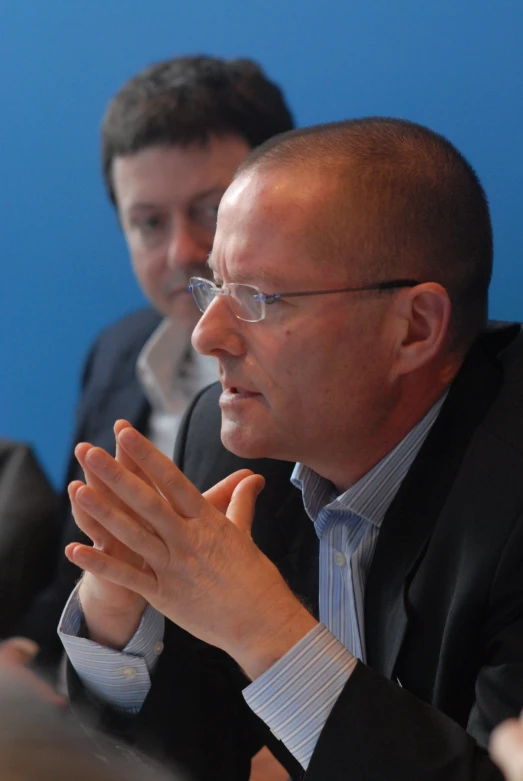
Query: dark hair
[187,100]
[403,202]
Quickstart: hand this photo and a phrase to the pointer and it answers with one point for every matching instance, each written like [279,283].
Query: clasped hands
[158,540]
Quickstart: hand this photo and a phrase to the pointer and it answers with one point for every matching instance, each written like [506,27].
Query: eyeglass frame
[272,298]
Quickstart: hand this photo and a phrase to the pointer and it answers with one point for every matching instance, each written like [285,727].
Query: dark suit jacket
[29,531]
[110,390]
[443,604]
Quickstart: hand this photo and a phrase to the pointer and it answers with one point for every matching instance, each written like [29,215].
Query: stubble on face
[167,200]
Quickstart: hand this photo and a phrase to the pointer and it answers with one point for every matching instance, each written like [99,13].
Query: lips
[232,394]
[237,390]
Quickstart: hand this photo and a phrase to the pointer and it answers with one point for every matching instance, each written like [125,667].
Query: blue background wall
[455,65]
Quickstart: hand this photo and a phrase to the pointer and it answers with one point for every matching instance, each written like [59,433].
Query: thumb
[18,651]
[243,501]
[220,495]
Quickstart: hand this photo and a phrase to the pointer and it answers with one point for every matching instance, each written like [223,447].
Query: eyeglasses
[250,304]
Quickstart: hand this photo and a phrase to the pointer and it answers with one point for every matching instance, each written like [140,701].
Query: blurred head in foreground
[42,742]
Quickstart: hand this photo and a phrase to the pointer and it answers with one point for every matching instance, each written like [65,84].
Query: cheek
[149,267]
[289,366]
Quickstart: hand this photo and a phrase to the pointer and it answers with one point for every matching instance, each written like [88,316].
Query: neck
[359,454]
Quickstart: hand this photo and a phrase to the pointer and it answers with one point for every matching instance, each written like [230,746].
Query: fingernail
[95,457]
[131,436]
[83,496]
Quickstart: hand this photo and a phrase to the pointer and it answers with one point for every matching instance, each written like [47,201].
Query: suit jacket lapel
[300,563]
[414,512]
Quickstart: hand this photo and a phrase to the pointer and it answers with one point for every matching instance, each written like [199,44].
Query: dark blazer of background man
[172,138]
[29,532]
[372,201]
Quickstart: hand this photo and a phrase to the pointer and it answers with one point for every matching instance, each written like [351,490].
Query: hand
[265,767]
[16,653]
[199,567]
[506,748]
[112,613]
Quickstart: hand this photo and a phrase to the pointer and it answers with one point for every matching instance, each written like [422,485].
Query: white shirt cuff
[121,678]
[295,696]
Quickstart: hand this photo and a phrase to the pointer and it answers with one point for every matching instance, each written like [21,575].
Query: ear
[424,312]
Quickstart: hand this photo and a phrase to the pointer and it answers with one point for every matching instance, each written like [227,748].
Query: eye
[205,214]
[151,223]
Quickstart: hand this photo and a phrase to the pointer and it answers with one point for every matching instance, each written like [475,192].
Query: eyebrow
[200,196]
[246,279]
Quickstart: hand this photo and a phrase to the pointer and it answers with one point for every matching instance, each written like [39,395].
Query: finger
[506,748]
[149,505]
[140,581]
[179,492]
[220,494]
[16,653]
[136,536]
[123,458]
[243,502]
[81,452]
[18,650]
[40,687]
[131,495]
[83,520]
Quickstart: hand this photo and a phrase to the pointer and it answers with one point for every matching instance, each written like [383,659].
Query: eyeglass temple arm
[392,285]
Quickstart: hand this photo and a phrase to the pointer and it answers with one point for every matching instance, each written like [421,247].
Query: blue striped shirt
[295,696]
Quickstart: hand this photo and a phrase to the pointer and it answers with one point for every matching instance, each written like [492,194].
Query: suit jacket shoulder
[28,530]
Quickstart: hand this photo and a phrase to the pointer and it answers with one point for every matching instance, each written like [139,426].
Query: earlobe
[425,313]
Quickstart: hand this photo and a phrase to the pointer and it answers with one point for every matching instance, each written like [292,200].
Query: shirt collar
[169,370]
[371,496]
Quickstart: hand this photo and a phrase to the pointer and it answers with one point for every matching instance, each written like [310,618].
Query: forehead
[174,174]
[263,226]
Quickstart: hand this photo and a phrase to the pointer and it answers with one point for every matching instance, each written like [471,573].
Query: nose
[218,331]
[187,246]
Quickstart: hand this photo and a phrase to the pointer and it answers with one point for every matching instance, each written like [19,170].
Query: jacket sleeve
[380,731]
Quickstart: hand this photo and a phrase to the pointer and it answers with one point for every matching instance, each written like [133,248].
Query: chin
[244,444]
[237,440]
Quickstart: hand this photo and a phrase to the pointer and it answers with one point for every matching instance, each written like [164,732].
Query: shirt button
[339,559]
[158,648]
[129,672]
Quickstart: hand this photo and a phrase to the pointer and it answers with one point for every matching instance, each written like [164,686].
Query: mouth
[237,393]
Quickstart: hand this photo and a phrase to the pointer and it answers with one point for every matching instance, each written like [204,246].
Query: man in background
[172,138]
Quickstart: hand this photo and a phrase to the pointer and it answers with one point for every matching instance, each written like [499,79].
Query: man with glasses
[372,626]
